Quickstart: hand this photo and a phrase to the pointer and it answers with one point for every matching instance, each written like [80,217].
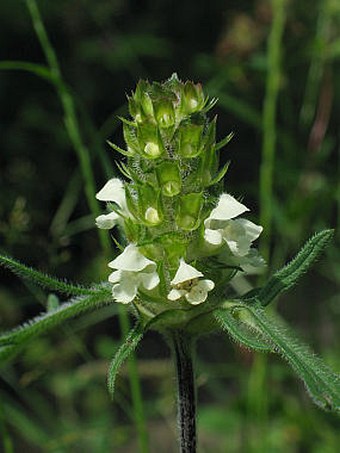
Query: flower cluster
[168,211]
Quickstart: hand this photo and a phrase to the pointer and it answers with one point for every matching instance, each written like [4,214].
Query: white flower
[113,191]
[251,264]
[186,284]
[134,270]
[220,226]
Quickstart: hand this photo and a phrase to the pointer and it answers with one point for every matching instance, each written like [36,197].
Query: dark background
[53,396]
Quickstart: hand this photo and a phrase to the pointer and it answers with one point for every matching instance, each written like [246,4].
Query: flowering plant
[183,240]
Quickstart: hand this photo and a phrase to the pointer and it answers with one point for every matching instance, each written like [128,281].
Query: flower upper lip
[132,260]
[227,208]
[186,284]
[113,191]
[185,273]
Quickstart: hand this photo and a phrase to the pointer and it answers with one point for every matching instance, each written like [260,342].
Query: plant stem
[186,397]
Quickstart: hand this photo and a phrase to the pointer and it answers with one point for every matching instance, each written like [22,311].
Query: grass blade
[34,68]
[269,128]
[70,115]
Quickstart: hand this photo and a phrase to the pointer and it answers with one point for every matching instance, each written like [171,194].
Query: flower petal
[107,221]
[196,296]
[199,292]
[238,248]
[132,260]
[252,263]
[252,231]
[123,295]
[176,294]
[239,234]
[115,276]
[113,191]
[213,237]
[207,285]
[184,273]
[227,208]
[149,280]
[126,290]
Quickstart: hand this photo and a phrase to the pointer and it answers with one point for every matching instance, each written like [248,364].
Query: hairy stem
[186,397]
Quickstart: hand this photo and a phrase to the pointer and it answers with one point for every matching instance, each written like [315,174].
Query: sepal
[188,215]
[189,139]
[169,178]
[150,141]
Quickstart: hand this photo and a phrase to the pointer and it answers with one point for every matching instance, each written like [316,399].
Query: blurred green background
[274,65]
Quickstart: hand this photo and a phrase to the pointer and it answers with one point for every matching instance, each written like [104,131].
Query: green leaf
[118,149]
[209,104]
[290,274]
[44,280]
[126,121]
[220,175]
[322,384]
[241,331]
[11,342]
[129,345]
[224,141]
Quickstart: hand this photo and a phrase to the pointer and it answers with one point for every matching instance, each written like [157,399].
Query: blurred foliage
[54,398]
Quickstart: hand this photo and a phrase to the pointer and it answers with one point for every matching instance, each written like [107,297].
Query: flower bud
[169,178]
[193,98]
[141,103]
[165,114]
[188,211]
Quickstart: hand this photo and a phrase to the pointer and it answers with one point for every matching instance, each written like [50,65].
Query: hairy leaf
[289,274]
[44,280]
[129,345]
[242,332]
[11,342]
[321,382]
